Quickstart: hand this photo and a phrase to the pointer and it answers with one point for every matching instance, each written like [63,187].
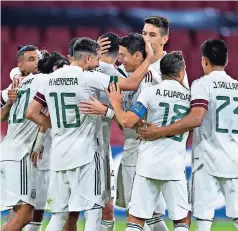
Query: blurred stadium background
[52,24]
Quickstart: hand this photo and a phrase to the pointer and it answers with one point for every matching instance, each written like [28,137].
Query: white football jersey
[104,136]
[163,104]
[215,142]
[129,99]
[74,135]
[21,132]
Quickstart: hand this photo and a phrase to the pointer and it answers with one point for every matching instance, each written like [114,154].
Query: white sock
[235,221]
[57,221]
[93,219]
[133,227]
[157,223]
[181,227]
[203,225]
[33,226]
[107,225]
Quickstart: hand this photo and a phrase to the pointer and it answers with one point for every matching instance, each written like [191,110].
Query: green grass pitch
[219,225]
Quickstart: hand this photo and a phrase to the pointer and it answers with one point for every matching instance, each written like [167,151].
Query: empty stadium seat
[119,32]
[26,36]
[220,5]
[5,35]
[202,35]
[186,5]
[232,68]
[193,64]
[179,40]
[57,36]
[92,33]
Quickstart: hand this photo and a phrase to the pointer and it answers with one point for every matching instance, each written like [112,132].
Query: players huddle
[57,154]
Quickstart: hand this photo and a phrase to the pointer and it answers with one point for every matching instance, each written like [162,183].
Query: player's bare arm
[38,148]
[132,83]
[194,119]
[5,110]
[125,119]
[34,114]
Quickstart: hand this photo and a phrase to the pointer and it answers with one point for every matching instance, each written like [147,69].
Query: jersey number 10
[65,107]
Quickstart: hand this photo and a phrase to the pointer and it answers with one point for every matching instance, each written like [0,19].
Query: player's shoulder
[203,80]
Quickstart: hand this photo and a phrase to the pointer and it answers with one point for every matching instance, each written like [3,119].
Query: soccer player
[20,134]
[156,30]
[160,166]
[19,126]
[107,66]
[132,52]
[215,142]
[76,175]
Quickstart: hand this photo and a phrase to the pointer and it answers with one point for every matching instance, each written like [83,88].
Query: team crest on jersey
[33,193]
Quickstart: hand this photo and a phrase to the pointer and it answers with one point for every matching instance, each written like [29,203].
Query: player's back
[73,134]
[166,103]
[216,141]
[21,132]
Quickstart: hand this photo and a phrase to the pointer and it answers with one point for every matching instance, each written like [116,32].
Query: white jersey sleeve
[199,94]
[98,81]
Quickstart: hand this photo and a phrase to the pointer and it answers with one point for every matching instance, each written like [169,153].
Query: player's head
[156,30]
[214,55]
[132,51]
[172,65]
[27,58]
[51,62]
[113,51]
[71,51]
[86,53]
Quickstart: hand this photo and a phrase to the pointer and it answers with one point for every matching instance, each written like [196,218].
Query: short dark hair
[172,63]
[115,42]
[23,49]
[216,51]
[85,45]
[160,22]
[71,46]
[134,42]
[48,61]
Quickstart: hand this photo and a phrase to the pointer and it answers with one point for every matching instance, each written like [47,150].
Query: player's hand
[149,131]
[41,152]
[12,95]
[33,158]
[104,44]
[115,95]
[92,107]
[16,81]
[149,50]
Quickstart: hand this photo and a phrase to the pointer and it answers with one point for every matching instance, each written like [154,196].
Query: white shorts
[205,191]
[20,183]
[109,177]
[125,179]
[42,188]
[146,192]
[77,189]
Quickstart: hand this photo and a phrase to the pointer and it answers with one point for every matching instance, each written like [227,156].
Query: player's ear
[165,39]
[55,68]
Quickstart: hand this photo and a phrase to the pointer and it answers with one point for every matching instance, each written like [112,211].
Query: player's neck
[158,55]
[78,63]
[107,59]
[216,68]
